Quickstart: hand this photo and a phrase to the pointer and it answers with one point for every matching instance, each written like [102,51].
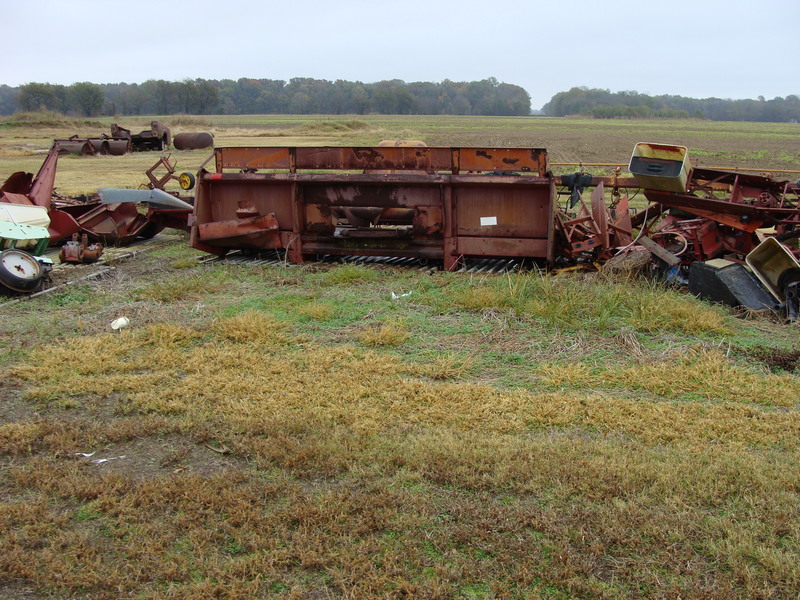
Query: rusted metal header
[430,160]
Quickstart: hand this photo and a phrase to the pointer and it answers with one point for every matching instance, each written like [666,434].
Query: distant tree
[299,103]
[86,98]
[128,99]
[162,94]
[8,99]
[37,96]
[207,96]
[601,104]
[186,96]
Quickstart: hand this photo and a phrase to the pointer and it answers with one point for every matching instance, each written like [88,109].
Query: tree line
[604,104]
[269,96]
[319,96]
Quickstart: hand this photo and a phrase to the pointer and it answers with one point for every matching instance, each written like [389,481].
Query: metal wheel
[19,271]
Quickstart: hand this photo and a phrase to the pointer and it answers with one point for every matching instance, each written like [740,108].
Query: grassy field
[722,144]
[295,432]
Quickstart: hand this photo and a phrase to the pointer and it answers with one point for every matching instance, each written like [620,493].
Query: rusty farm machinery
[452,205]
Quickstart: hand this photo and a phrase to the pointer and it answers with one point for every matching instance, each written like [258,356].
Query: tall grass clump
[252,327]
[593,303]
[346,274]
[388,334]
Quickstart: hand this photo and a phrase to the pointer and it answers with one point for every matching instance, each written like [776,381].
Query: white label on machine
[487,221]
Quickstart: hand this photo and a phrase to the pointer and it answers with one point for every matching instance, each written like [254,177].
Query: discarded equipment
[193,141]
[23,239]
[432,203]
[106,219]
[157,137]
[405,200]
[20,271]
[121,141]
[450,204]
[80,251]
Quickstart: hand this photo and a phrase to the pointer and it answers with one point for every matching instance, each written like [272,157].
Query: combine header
[434,203]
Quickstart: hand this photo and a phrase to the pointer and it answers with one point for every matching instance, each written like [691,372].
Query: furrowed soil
[341,431]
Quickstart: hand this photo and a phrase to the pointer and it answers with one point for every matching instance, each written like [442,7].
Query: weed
[183,263]
[348,274]
[254,327]
[318,311]
[76,294]
[176,289]
[593,303]
[389,334]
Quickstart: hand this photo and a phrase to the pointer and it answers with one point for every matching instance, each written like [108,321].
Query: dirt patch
[19,590]
[776,359]
[157,456]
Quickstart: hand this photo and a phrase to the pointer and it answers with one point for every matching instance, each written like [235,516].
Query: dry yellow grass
[252,327]
[160,370]
[703,373]
[370,479]
[268,457]
[317,310]
[388,334]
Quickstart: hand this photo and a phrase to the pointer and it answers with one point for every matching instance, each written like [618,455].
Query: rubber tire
[186,181]
[13,281]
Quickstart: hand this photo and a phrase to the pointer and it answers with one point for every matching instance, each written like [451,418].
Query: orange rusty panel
[389,158]
[528,160]
[237,227]
[503,211]
[246,158]
[374,158]
[233,199]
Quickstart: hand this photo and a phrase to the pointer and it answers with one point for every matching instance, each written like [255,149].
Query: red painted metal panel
[499,247]
[503,211]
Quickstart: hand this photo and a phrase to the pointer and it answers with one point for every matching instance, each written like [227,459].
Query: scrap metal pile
[33,216]
[700,225]
[456,204]
[121,141]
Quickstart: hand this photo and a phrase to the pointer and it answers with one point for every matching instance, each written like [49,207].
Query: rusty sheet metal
[453,160]
[75,145]
[249,232]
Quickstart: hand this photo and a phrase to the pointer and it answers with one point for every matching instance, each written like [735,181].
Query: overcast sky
[701,48]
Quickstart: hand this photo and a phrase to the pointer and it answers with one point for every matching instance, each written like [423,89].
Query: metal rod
[754,170]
